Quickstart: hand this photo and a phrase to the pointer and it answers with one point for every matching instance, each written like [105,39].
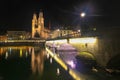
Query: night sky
[17,14]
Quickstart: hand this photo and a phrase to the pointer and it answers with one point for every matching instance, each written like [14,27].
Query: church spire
[41,14]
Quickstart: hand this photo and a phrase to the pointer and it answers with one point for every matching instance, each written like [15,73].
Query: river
[29,63]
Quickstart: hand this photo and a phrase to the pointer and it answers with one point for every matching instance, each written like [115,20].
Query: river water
[29,63]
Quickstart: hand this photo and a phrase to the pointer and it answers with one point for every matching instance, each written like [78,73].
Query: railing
[20,41]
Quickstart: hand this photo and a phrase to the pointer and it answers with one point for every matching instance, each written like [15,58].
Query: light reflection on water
[28,63]
[37,55]
[37,60]
[17,51]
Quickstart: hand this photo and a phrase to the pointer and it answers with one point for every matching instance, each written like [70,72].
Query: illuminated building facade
[38,26]
[61,33]
[64,33]
[38,29]
[18,35]
[3,37]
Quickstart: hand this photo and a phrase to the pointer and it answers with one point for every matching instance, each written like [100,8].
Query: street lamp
[79,31]
[58,30]
[83,14]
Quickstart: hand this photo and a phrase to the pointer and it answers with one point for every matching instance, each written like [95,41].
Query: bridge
[23,41]
[103,50]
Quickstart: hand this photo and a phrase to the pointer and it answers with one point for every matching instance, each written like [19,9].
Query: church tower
[38,26]
[41,24]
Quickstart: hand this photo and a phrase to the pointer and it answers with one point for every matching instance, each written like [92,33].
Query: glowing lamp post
[83,14]
[58,30]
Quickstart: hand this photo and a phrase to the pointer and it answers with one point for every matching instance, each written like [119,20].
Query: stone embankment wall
[103,49]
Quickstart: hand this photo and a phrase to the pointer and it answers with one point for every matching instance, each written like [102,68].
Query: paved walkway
[66,57]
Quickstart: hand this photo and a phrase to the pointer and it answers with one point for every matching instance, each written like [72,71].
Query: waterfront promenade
[71,71]
[92,74]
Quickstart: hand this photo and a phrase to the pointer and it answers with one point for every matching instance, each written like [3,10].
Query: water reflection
[37,60]
[68,57]
[37,55]
[29,63]
[15,51]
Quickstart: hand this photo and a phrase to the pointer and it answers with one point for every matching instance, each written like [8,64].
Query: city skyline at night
[59,40]
[17,14]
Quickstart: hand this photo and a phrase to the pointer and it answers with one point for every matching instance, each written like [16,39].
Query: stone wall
[103,49]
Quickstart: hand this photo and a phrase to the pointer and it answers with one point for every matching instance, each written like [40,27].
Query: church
[38,29]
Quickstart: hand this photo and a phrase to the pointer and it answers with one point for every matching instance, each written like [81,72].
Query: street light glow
[58,29]
[79,30]
[83,14]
